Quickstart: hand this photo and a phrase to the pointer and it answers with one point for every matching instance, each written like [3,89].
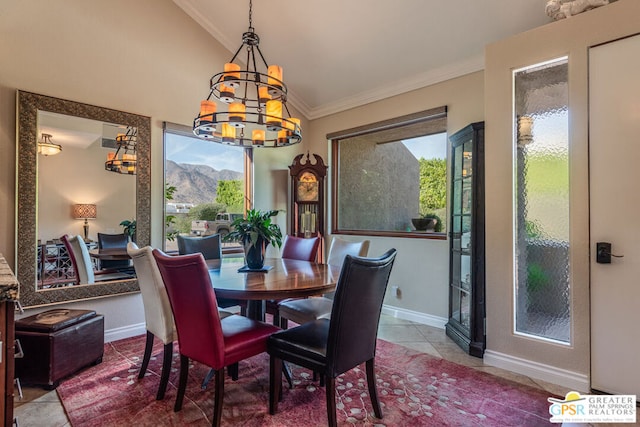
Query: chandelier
[123,160]
[253,102]
[48,148]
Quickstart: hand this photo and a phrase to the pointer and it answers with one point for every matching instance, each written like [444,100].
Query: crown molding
[419,81]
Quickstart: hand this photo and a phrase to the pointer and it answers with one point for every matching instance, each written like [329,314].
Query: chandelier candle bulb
[282,137]
[263,95]
[274,73]
[228,133]
[258,136]
[231,74]
[274,115]
[292,124]
[207,108]
[227,93]
[237,114]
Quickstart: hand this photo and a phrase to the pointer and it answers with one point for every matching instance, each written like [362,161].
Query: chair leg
[233,371]
[275,383]
[373,391]
[218,398]
[182,384]
[166,369]
[284,323]
[207,378]
[148,347]
[332,420]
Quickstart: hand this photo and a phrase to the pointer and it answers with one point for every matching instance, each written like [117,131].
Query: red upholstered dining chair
[300,248]
[202,335]
[294,248]
[336,345]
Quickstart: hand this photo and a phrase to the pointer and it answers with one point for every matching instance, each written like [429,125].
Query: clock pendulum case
[307,196]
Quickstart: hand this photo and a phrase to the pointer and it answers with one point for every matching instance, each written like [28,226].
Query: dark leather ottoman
[58,343]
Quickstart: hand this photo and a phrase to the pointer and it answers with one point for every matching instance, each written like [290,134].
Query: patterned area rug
[415,389]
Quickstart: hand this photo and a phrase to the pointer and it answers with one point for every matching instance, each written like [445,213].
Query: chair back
[194,307]
[157,309]
[112,241]
[355,314]
[80,259]
[340,248]
[209,246]
[300,248]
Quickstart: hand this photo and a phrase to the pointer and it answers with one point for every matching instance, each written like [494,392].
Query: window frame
[433,120]
[187,131]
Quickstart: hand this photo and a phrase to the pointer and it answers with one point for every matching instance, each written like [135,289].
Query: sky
[181,149]
[428,147]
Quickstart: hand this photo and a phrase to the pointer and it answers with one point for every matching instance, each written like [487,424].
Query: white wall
[85,181]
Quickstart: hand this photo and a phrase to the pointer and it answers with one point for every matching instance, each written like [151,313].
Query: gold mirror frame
[26,198]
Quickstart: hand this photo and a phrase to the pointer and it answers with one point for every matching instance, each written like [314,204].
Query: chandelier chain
[250,15]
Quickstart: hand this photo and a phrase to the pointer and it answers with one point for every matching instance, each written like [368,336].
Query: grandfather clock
[307,196]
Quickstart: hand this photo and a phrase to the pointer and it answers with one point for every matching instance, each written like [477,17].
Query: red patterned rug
[415,390]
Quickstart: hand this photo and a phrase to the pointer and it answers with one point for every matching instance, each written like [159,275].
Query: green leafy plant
[432,215]
[256,225]
[537,278]
[129,227]
[169,220]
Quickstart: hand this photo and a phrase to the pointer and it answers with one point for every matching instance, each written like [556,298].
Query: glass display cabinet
[466,325]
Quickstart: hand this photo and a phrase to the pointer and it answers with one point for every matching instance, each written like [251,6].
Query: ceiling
[339,54]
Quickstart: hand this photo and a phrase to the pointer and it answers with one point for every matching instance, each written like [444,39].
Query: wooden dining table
[284,278]
[110,254]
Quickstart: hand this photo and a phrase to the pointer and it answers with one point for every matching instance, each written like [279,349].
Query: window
[541,156]
[207,185]
[388,175]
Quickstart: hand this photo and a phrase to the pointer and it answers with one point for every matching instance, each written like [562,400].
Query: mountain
[196,183]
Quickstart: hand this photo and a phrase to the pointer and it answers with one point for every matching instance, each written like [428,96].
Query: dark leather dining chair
[202,335]
[336,345]
[209,246]
[113,241]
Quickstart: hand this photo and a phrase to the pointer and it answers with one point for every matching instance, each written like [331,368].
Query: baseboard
[569,379]
[414,316]
[125,332]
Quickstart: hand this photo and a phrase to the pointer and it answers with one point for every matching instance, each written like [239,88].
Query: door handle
[603,253]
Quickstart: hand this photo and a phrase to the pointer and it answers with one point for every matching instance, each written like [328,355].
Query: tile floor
[42,408]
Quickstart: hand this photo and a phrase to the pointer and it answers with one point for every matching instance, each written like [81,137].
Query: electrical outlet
[395,290]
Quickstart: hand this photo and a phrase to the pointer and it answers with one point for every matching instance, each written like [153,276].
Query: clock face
[307,188]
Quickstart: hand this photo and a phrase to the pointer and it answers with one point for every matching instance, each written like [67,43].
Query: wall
[146,57]
[421,269]
[61,186]
[568,365]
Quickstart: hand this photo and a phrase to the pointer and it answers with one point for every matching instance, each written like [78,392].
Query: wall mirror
[48,186]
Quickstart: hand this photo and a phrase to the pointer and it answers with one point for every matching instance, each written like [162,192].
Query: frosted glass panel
[542,201]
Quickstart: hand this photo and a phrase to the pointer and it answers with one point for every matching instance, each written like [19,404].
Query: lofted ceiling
[339,54]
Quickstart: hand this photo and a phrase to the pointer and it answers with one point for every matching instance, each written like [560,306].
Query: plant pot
[254,254]
[424,224]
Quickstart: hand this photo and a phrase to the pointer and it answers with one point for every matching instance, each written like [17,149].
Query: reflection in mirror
[77,177]
[57,189]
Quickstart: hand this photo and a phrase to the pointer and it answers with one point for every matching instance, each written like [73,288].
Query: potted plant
[428,222]
[129,228]
[255,232]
